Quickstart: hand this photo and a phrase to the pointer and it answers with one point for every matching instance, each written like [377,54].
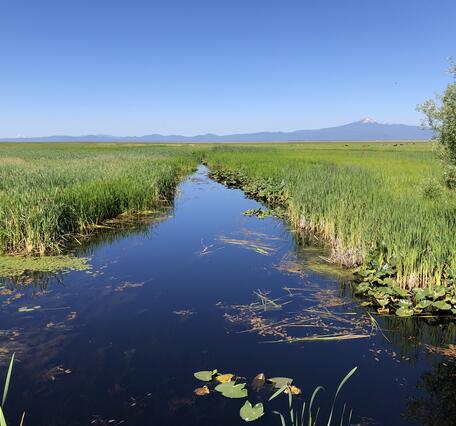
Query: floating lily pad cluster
[269,190]
[259,213]
[228,386]
[378,285]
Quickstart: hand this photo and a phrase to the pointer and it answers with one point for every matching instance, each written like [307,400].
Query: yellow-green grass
[359,196]
[54,193]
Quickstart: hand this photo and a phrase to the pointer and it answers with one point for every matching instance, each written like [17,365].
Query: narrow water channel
[210,288]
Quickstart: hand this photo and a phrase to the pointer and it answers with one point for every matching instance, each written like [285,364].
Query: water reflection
[437,407]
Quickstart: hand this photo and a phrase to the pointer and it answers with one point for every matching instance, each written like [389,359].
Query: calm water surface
[119,344]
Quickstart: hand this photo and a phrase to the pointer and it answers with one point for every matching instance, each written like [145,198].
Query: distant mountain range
[366,129]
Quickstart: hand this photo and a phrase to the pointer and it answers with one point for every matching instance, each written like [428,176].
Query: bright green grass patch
[19,265]
[362,198]
[55,193]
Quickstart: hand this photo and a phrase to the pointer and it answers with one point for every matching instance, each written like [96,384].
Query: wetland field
[187,284]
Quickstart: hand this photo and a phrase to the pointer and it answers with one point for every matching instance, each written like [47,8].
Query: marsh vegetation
[57,194]
[364,199]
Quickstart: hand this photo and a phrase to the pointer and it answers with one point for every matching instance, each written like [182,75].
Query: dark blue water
[119,344]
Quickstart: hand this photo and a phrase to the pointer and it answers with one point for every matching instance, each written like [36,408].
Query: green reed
[358,197]
[51,194]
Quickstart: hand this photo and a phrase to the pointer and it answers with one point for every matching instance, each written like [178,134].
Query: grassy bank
[51,194]
[374,203]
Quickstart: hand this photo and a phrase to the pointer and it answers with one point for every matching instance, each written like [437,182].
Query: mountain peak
[368,120]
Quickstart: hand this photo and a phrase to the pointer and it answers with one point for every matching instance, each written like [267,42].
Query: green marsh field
[370,201]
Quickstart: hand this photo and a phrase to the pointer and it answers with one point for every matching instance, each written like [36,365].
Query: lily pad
[204,390]
[442,305]
[405,303]
[438,292]
[258,382]
[293,389]
[404,312]
[279,382]
[424,304]
[205,376]
[232,390]
[249,413]
[389,281]
[223,378]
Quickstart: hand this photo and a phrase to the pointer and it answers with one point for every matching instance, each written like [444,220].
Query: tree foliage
[441,117]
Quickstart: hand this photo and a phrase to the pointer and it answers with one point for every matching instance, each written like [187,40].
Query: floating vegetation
[184,313]
[127,285]
[266,302]
[55,372]
[311,260]
[231,389]
[203,390]
[206,249]
[275,386]
[256,246]
[259,213]
[205,376]
[385,294]
[254,241]
[297,417]
[300,315]
[251,413]
[12,295]
[20,266]
[28,308]
[291,266]
[223,378]
[448,351]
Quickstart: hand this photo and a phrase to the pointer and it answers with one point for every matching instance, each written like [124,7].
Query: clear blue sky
[136,67]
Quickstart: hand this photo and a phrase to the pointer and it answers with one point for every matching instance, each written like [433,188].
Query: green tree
[441,117]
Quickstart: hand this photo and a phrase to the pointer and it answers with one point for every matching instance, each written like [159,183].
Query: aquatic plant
[298,418]
[228,387]
[259,213]
[362,199]
[383,292]
[5,393]
[53,194]
[17,266]
[294,321]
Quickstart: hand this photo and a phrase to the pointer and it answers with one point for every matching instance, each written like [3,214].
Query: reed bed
[51,194]
[363,199]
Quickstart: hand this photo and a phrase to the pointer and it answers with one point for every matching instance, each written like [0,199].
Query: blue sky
[191,66]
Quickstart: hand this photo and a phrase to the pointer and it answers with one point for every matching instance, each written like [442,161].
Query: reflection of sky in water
[122,340]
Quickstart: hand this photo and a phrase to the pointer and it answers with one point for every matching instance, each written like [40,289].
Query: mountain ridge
[365,129]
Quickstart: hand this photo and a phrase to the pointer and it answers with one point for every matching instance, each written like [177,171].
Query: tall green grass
[358,197]
[54,193]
